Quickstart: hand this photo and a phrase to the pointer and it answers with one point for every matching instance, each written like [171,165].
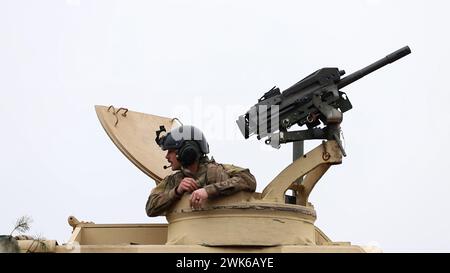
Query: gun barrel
[402,52]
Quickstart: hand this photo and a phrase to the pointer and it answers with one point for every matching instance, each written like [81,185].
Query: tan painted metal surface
[134,135]
[326,154]
[206,249]
[245,223]
[151,238]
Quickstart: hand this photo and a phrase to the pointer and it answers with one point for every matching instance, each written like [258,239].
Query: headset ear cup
[188,154]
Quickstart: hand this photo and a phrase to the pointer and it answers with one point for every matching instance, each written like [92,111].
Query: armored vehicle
[267,221]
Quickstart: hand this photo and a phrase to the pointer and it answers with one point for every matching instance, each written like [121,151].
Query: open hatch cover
[134,134]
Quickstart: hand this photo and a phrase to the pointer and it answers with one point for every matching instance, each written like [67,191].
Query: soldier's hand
[187,185]
[198,198]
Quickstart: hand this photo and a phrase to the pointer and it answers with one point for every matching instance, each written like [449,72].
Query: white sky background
[60,58]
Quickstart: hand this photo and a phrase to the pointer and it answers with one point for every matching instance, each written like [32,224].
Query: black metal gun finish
[313,100]
[402,52]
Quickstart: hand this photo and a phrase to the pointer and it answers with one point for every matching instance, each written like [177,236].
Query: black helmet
[189,142]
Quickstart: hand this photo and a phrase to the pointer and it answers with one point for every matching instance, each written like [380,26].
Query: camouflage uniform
[216,179]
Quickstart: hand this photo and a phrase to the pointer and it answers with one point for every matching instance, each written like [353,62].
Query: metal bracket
[313,164]
[331,114]
[179,121]
[114,112]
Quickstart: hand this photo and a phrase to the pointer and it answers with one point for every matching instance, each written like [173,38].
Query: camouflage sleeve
[236,179]
[161,198]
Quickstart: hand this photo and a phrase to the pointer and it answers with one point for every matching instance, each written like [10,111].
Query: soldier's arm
[241,180]
[161,198]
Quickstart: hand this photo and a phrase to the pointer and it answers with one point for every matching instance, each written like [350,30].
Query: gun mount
[313,101]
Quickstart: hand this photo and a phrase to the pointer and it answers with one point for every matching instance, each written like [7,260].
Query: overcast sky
[207,62]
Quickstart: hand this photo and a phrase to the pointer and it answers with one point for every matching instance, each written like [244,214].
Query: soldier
[186,148]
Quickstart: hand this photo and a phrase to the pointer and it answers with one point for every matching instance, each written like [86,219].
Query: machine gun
[314,100]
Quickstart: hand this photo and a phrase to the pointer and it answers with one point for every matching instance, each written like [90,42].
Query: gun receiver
[314,100]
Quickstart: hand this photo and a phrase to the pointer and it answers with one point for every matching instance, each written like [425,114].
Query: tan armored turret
[246,222]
